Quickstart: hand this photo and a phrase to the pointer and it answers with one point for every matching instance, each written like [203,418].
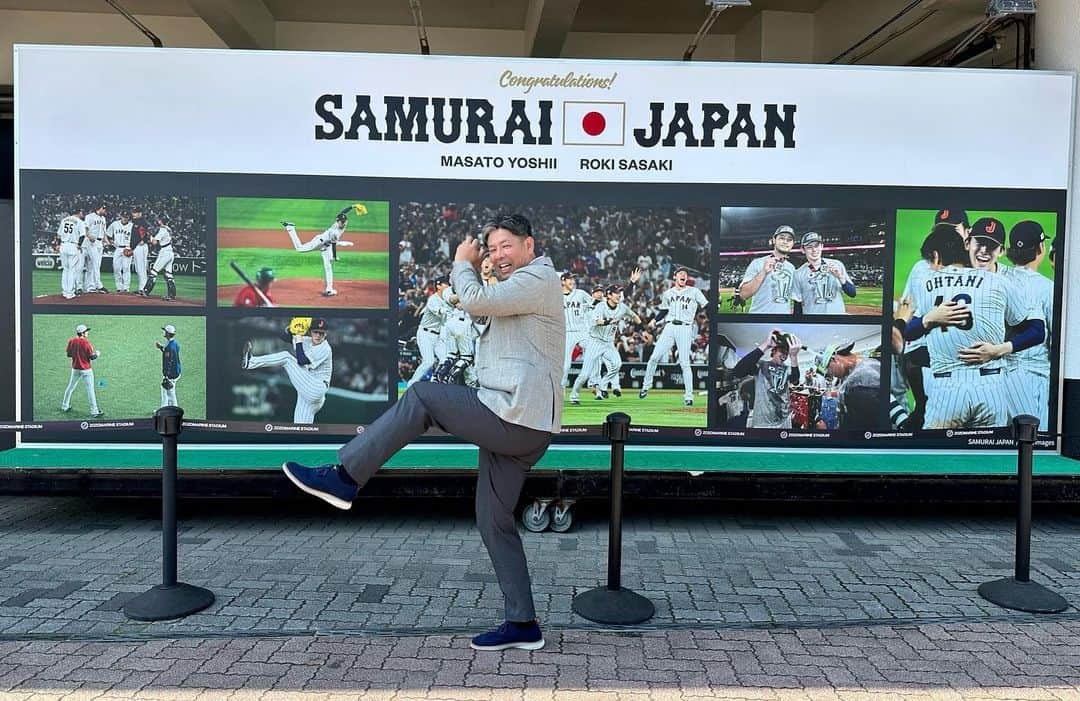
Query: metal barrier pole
[170,599]
[613,604]
[1019,592]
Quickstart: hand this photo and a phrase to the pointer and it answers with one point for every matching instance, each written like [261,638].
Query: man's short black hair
[939,238]
[954,251]
[516,224]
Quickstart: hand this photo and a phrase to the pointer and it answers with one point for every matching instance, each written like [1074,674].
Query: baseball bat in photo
[252,285]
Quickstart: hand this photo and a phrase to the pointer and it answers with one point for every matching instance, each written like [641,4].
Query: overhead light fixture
[1004,8]
[715,8]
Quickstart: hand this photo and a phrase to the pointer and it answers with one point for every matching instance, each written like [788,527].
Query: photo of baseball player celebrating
[600,346]
[679,307]
[577,305]
[817,261]
[82,354]
[429,340]
[963,309]
[80,242]
[986,362]
[118,235]
[170,365]
[774,377]
[309,365]
[251,236]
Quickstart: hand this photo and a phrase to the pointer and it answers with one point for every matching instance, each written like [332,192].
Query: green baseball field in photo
[867,300]
[47,282]
[250,232]
[913,226]
[663,407]
[127,376]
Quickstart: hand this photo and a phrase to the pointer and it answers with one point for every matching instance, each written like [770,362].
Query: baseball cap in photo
[810,238]
[989,228]
[169,329]
[442,280]
[566,276]
[1026,235]
[826,355]
[82,328]
[612,289]
[784,229]
[319,325]
[951,216]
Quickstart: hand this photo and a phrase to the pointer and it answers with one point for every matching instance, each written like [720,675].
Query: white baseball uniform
[819,291]
[679,330]
[311,380]
[93,246]
[428,335]
[970,396]
[70,229]
[120,235]
[600,346]
[577,306]
[1029,370]
[323,242]
[165,255]
[775,294]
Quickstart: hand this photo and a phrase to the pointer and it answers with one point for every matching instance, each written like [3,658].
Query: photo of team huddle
[973,318]
[801,262]
[118,249]
[799,377]
[636,290]
[301,369]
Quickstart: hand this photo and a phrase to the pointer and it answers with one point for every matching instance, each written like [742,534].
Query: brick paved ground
[314,604]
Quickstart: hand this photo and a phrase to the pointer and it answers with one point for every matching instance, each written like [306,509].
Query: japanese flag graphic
[594,123]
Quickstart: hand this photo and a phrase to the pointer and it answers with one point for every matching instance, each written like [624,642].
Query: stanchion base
[1022,596]
[165,602]
[616,606]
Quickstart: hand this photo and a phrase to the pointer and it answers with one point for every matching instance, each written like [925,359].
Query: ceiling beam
[241,24]
[547,22]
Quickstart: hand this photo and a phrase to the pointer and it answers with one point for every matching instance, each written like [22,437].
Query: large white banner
[402,116]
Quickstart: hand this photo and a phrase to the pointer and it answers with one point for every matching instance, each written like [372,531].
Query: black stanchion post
[1019,592]
[613,604]
[170,599]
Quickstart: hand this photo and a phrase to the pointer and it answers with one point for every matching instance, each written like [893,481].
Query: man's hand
[770,264]
[770,340]
[983,352]
[795,346]
[904,310]
[469,251]
[635,276]
[947,314]
[157,344]
[835,271]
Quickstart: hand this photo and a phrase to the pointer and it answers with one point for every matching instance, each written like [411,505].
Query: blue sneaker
[325,482]
[524,636]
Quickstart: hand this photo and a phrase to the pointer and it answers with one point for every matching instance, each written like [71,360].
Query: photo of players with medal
[799,377]
[118,250]
[301,369]
[973,318]
[801,262]
[636,286]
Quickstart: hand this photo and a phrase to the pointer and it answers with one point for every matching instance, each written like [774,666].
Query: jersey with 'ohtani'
[71,228]
[993,302]
[95,226]
[774,295]
[435,312]
[606,332]
[819,291]
[577,305]
[120,234]
[1040,291]
[682,303]
[163,237]
[915,281]
[320,359]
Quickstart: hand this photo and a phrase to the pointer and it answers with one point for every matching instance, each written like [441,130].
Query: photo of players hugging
[803,262]
[635,283]
[130,250]
[301,369]
[974,308]
[823,377]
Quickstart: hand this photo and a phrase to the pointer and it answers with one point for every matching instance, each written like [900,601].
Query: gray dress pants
[507,452]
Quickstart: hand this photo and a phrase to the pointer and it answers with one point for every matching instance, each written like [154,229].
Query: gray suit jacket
[519,356]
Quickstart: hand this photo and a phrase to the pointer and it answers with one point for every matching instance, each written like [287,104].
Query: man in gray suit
[511,417]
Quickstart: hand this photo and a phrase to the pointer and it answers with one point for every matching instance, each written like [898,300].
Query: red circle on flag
[593,123]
